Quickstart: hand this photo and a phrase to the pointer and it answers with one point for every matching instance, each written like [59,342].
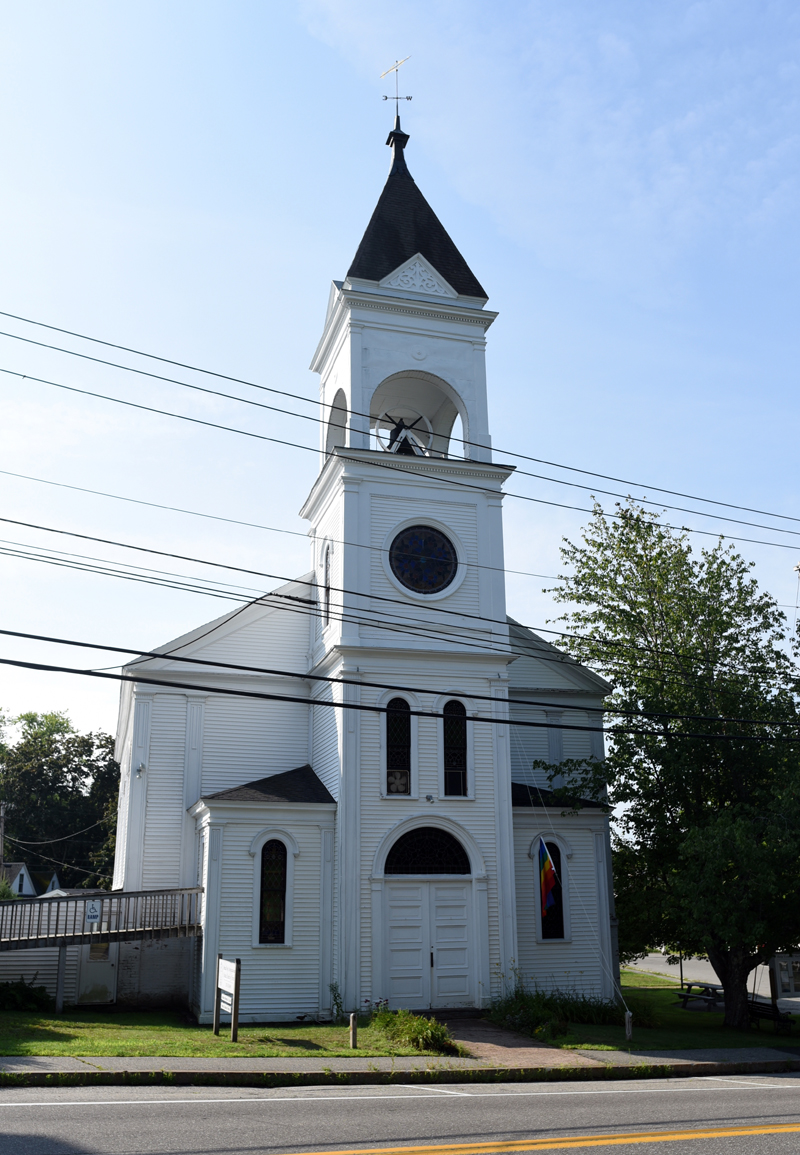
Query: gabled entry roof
[403,225]
[533,797]
[300,785]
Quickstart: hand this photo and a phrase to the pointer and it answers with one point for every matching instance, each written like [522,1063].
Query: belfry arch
[413,392]
[336,435]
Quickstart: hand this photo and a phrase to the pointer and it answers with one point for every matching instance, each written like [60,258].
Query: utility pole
[2,833]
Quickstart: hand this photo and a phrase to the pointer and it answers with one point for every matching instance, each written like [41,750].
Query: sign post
[226,995]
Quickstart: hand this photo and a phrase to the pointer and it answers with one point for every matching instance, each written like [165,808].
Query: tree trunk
[733,968]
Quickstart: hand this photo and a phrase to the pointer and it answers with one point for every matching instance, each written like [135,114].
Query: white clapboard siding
[578,964]
[40,967]
[164,783]
[245,739]
[528,744]
[283,981]
[123,805]
[272,636]
[325,755]
[388,512]
[578,743]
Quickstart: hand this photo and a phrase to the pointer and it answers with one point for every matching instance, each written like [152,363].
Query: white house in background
[27,883]
[370,825]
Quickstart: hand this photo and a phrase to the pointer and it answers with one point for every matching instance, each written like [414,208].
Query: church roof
[403,225]
[300,785]
[523,795]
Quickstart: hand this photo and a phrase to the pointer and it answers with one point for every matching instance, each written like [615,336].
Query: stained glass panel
[423,559]
[454,726]
[398,747]
[553,921]
[272,922]
[427,850]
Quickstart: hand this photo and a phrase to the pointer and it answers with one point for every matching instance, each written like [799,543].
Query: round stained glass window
[423,559]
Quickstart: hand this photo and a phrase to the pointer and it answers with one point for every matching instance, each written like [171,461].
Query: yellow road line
[570,1141]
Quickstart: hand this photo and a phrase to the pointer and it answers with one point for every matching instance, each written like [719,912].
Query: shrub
[416,1031]
[22,996]
[547,1014]
[6,893]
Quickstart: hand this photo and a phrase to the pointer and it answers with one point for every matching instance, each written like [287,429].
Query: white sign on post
[94,909]
[226,1000]
[227,976]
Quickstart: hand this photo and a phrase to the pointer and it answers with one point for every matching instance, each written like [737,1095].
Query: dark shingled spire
[404,224]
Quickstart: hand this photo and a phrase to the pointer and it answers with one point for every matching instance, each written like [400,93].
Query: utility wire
[378,462]
[253,524]
[65,838]
[313,586]
[415,627]
[308,400]
[68,865]
[322,421]
[361,683]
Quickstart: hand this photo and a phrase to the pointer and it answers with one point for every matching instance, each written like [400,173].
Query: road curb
[368,1077]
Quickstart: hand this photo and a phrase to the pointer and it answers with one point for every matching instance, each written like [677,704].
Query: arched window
[326,587]
[427,850]
[398,747]
[551,890]
[337,423]
[454,727]
[272,905]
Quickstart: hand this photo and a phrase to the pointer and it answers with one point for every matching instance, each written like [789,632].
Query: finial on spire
[397,97]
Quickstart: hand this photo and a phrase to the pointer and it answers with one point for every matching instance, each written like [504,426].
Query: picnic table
[709,993]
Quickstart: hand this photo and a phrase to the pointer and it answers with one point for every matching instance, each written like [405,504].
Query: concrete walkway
[497,1055]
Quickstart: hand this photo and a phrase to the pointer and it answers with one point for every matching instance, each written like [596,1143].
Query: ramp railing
[115,917]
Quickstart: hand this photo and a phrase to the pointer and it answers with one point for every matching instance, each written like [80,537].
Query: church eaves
[404,224]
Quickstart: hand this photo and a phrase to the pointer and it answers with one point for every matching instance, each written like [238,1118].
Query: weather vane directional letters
[397,97]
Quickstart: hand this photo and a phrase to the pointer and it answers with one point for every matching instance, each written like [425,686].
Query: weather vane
[397,97]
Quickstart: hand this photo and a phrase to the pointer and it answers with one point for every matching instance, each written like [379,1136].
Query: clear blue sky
[187,178]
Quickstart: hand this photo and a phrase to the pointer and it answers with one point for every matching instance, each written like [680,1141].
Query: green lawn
[678,1029]
[164,1033]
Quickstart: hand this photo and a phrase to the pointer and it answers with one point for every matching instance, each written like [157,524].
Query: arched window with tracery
[326,587]
[398,746]
[427,850]
[551,890]
[272,903]
[454,733]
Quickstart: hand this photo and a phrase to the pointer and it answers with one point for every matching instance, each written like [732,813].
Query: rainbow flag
[547,877]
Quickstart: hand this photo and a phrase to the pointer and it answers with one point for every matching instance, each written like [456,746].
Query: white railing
[121,917]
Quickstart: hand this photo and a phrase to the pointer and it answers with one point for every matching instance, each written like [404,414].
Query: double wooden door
[428,950]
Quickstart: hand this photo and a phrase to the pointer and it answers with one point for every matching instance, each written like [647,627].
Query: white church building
[343,781]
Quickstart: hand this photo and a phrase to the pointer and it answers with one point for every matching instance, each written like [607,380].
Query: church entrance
[427,922]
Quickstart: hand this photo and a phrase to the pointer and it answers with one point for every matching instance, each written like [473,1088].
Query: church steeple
[404,224]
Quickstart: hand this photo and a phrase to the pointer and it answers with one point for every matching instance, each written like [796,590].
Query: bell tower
[404,338]
[407,549]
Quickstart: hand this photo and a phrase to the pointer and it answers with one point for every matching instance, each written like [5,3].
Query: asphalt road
[736,1110]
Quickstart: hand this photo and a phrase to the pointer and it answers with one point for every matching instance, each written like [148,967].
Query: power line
[362,683]
[64,838]
[434,632]
[418,629]
[321,421]
[68,865]
[379,463]
[253,524]
[307,400]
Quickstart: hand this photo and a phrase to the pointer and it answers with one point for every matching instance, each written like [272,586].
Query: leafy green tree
[58,786]
[704,761]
